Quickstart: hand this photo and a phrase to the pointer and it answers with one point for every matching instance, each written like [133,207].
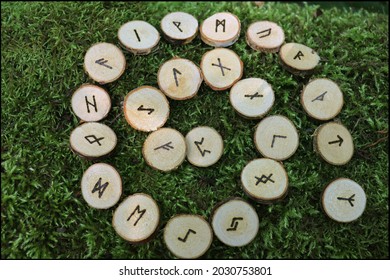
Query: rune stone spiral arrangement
[233,221]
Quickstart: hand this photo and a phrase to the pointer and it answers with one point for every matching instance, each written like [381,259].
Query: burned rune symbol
[95,139]
[141,212]
[251,96]
[92,104]
[103,62]
[136,34]
[141,108]
[99,187]
[268,31]
[234,223]
[185,237]
[221,66]
[197,143]
[298,55]
[166,146]
[175,72]
[340,141]
[276,136]
[177,24]
[218,23]
[348,199]
[264,179]
[320,97]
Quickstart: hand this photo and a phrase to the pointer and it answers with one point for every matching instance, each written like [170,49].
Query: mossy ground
[43,214]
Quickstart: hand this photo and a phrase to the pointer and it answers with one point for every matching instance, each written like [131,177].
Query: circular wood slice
[179,78]
[322,99]
[276,137]
[93,140]
[179,28]
[104,63]
[343,200]
[264,180]
[101,186]
[220,30]
[221,68]
[138,37]
[164,149]
[334,143]
[137,218]
[235,222]
[204,146]
[188,236]
[298,58]
[91,103]
[265,36]
[252,97]
[146,108]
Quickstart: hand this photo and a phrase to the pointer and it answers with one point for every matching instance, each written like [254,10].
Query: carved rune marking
[264,179]
[320,97]
[92,104]
[340,141]
[197,143]
[267,31]
[177,24]
[218,23]
[141,108]
[99,187]
[234,224]
[251,96]
[103,62]
[175,72]
[136,34]
[166,146]
[185,237]
[298,55]
[95,139]
[221,66]
[348,199]
[273,139]
[142,212]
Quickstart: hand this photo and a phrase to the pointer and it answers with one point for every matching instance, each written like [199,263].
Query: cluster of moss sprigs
[43,214]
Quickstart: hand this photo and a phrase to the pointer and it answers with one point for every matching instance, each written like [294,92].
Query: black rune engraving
[103,62]
[92,104]
[197,143]
[136,34]
[177,24]
[264,179]
[251,96]
[166,146]
[95,139]
[141,108]
[298,55]
[218,23]
[348,199]
[234,224]
[99,187]
[221,66]
[276,136]
[340,141]
[175,72]
[186,236]
[320,97]
[266,32]
[142,212]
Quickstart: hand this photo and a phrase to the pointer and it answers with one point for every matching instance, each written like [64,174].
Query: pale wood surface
[188,236]
[179,78]
[179,27]
[221,68]
[276,137]
[91,103]
[344,200]
[235,222]
[137,218]
[204,146]
[264,179]
[139,37]
[104,62]
[322,99]
[334,143]
[214,33]
[146,108]
[93,140]
[252,97]
[298,58]
[164,149]
[265,36]
[101,186]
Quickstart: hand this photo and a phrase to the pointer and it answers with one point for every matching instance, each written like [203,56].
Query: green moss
[43,214]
